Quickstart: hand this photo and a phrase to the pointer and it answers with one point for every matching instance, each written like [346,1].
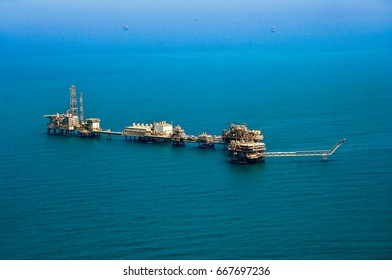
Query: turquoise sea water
[73,198]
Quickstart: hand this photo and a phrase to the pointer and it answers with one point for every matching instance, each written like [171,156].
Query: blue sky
[158,22]
[14,12]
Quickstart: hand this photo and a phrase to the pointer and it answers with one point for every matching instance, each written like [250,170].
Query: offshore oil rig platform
[244,145]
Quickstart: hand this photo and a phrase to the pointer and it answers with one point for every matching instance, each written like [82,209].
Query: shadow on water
[245,169]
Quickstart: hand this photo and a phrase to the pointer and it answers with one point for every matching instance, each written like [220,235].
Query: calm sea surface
[73,198]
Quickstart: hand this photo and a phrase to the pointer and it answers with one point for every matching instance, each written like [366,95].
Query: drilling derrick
[73,108]
[81,110]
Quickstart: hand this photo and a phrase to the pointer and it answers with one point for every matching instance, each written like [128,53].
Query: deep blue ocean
[76,198]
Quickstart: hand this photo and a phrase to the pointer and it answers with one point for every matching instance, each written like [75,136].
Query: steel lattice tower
[73,102]
[81,111]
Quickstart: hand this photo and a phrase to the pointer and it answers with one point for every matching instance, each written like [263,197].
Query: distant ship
[125,27]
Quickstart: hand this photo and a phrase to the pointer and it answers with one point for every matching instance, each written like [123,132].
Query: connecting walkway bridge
[310,153]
